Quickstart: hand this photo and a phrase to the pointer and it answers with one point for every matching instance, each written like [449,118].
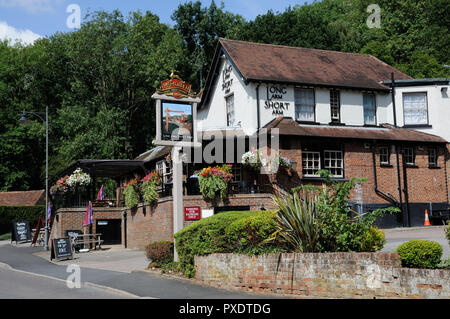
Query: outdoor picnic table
[88,239]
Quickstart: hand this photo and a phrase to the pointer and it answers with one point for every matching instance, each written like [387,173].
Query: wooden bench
[440,215]
[86,240]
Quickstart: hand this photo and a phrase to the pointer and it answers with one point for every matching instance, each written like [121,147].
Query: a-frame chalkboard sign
[62,249]
[21,232]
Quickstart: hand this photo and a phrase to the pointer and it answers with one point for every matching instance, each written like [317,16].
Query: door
[111,230]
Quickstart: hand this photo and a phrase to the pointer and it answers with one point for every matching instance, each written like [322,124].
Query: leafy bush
[295,222]
[160,252]
[8,214]
[447,231]
[249,233]
[220,234]
[373,240]
[444,264]
[338,230]
[420,254]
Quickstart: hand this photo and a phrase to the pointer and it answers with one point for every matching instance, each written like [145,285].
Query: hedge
[420,254]
[9,214]
[227,232]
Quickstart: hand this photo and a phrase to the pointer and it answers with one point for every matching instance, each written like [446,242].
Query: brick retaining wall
[325,275]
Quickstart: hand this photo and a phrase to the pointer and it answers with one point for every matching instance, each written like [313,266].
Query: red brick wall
[325,275]
[424,184]
[73,219]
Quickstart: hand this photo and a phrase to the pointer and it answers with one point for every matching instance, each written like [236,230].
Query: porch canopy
[105,168]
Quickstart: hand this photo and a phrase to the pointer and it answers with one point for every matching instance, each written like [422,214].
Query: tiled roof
[293,65]
[287,126]
[22,198]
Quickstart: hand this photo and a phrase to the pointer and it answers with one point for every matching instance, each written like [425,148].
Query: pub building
[328,110]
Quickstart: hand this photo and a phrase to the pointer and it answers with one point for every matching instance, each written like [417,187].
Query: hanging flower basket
[213,181]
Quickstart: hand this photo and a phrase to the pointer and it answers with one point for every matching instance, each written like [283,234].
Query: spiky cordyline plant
[296,225]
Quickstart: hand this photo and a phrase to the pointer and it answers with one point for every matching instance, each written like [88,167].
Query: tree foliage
[97,81]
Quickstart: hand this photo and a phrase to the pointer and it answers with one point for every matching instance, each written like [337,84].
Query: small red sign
[192,213]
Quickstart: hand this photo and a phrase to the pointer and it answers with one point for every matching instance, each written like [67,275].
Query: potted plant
[213,181]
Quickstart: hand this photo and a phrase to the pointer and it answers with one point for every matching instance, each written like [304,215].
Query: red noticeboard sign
[192,213]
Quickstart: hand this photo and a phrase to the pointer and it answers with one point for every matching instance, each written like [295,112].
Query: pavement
[396,236]
[114,270]
[121,273]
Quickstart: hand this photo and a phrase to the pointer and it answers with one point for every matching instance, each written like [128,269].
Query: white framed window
[369,109]
[164,170]
[384,155]
[408,154]
[432,157]
[229,101]
[335,106]
[333,162]
[415,108]
[304,104]
[310,163]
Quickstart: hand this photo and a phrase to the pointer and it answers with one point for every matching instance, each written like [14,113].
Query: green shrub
[444,264]
[209,235]
[8,214]
[373,240]
[249,233]
[420,254]
[338,230]
[160,252]
[447,231]
[295,222]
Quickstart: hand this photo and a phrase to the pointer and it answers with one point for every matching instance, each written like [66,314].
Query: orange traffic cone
[427,221]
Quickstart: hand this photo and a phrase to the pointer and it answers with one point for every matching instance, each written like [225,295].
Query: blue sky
[29,19]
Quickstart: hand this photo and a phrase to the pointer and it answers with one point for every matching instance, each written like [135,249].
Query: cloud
[16,35]
[32,6]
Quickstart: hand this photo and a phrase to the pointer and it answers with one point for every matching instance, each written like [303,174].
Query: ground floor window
[408,154]
[432,157]
[310,163]
[334,163]
[384,155]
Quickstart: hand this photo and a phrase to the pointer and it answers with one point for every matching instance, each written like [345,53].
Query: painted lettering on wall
[275,92]
[226,81]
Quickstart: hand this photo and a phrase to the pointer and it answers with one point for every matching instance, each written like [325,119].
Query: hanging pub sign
[176,109]
[177,121]
[175,87]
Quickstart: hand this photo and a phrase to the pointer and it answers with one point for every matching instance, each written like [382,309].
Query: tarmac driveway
[396,236]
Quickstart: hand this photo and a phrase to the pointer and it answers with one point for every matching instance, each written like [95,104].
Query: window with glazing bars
[230,110]
[304,104]
[333,162]
[408,154]
[310,163]
[369,109]
[335,104]
[415,109]
[384,155]
[432,157]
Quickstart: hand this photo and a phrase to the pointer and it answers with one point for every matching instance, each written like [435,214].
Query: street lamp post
[24,120]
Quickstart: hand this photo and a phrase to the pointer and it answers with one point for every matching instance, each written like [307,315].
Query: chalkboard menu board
[62,249]
[21,232]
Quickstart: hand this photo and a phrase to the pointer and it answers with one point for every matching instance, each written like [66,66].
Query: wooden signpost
[62,249]
[21,232]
